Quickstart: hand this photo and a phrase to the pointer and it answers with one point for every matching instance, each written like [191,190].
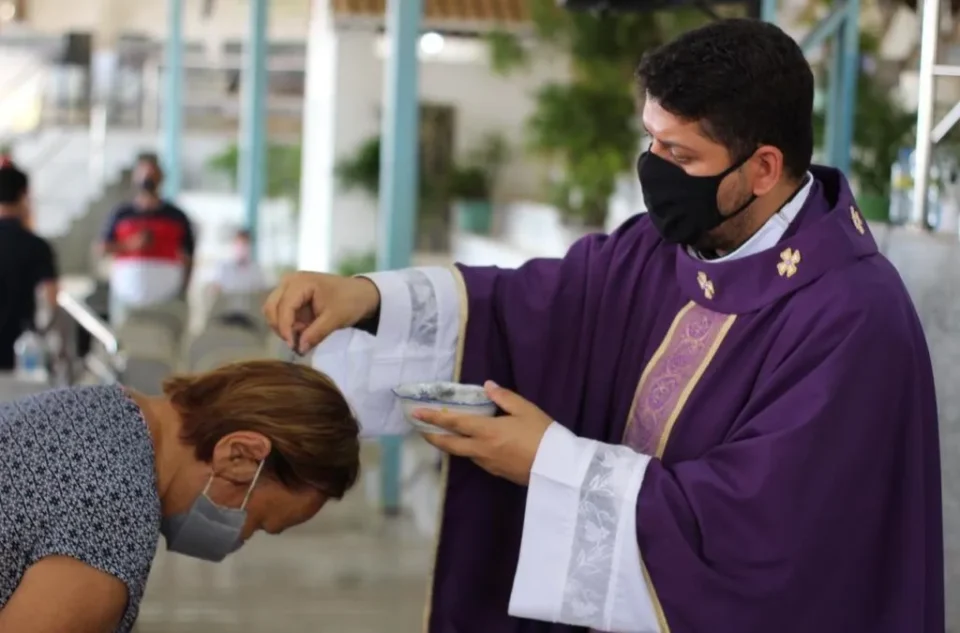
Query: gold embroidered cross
[857,221]
[705,284]
[789,259]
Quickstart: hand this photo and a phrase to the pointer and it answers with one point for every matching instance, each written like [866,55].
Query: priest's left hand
[504,446]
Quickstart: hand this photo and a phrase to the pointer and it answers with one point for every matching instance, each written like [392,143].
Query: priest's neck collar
[820,230]
[768,235]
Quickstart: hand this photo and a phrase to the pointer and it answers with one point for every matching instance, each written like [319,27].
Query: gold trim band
[722,328]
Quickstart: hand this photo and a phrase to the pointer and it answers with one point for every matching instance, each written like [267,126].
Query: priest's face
[688,145]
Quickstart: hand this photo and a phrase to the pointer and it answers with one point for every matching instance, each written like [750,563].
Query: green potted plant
[472,185]
[357,264]
[882,128]
[587,126]
[361,170]
[283,169]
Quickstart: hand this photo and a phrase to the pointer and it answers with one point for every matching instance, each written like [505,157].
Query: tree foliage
[283,166]
[588,125]
[881,125]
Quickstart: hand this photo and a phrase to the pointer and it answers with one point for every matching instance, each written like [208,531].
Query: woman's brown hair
[314,434]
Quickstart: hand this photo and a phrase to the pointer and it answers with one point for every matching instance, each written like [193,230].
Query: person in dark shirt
[152,244]
[27,262]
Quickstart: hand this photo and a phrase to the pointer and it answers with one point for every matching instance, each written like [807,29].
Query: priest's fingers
[453,444]
[507,400]
[270,307]
[460,423]
[294,306]
[314,334]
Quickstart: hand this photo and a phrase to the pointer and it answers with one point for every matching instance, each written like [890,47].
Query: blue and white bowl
[442,396]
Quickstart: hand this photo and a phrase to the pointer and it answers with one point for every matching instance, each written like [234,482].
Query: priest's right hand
[317,304]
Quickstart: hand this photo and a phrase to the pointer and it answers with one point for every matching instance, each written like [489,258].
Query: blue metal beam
[768,10]
[842,96]
[826,28]
[253,124]
[172,108]
[398,183]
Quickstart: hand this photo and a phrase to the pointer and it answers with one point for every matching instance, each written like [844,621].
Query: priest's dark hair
[746,82]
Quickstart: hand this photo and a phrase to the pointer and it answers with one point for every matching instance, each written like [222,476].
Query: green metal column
[398,182]
[253,121]
[172,105]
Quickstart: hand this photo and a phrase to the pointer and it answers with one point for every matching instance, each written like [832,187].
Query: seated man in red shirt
[152,243]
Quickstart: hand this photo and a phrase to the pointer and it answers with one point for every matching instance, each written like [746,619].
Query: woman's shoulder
[69,447]
[100,420]
[87,468]
[76,441]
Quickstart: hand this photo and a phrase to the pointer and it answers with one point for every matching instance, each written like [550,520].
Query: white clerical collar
[771,232]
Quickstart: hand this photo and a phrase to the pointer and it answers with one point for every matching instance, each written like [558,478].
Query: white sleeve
[579,557]
[416,341]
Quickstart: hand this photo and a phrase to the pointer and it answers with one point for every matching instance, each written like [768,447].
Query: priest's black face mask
[684,208]
[694,193]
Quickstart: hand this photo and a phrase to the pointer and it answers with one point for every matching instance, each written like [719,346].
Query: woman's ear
[237,456]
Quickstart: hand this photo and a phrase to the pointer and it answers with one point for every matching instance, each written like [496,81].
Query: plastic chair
[222,357]
[218,339]
[146,374]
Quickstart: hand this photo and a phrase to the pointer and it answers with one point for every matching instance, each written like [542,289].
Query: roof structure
[508,12]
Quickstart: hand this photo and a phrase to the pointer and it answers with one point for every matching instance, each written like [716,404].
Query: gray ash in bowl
[446,392]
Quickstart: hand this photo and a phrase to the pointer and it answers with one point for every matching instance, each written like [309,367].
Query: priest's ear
[767,168]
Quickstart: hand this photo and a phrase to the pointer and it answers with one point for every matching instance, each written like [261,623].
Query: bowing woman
[91,477]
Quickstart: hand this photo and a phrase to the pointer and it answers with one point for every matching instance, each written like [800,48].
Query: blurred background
[351,135]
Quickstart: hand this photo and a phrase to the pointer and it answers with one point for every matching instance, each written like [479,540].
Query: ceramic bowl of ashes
[442,396]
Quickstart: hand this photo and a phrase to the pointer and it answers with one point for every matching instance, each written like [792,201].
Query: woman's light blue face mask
[208,531]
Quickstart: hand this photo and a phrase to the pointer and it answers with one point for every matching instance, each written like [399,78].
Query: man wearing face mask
[151,242]
[719,419]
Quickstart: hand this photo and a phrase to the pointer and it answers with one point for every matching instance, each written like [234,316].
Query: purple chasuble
[788,400]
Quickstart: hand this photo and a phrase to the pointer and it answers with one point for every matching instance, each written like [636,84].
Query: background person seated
[237,285]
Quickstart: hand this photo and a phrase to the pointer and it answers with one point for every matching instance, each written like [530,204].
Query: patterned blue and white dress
[77,479]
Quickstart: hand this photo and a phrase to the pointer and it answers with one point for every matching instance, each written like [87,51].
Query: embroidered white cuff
[579,558]
[416,341]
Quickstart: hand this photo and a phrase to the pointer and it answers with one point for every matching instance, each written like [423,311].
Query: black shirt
[26,261]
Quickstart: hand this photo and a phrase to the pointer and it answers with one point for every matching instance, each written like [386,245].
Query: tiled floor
[348,571]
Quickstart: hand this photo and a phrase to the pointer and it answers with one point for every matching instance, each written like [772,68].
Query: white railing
[90,321]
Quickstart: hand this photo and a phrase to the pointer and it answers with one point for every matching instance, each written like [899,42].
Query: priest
[719,419]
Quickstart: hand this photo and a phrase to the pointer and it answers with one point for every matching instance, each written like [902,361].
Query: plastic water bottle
[30,357]
[901,189]
[933,196]
[933,189]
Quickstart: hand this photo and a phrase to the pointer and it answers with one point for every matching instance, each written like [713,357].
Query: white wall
[63,181]
[288,18]
[483,101]
[22,76]
[217,216]
[529,230]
